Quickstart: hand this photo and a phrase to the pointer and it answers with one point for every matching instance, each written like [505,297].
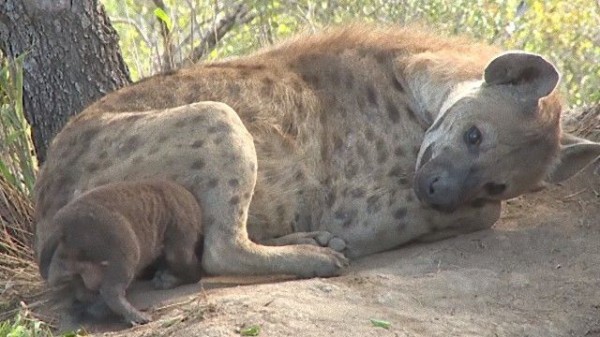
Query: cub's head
[500,137]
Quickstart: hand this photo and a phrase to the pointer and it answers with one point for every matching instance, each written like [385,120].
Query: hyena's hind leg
[224,186]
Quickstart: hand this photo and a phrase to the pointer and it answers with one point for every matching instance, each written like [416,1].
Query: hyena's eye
[473,136]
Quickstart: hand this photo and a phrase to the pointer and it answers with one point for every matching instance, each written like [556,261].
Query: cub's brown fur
[108,235]
[363,138]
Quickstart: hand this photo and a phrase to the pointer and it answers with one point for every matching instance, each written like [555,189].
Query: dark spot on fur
[393,111]
[137,160]
[357,193]
[296,86]
[349,80]
[218,140]
[410,197]
[494,189]
[105,164]
[197,119]
[246,195]
[371,95]
[351,170]
[373,205]
[208,220]
[401,226]
[382,153]
[92,167]
[180,123]
[214,182]
[234,89]
[233,183]
[86,137]
[400,213]
[346,217]
[337,142]
[129,145]
[403,181]
[234,200]
[220,127]
[362,151]
[162,138]
[334,77]
[382,57]
[330,199]
[396,171]
[397,85]
[153,150]
[198,164]
[411,114]
[369,134]
[311,79]
[299,175]
[103,155]
[398,151]
[197,144]
[252,167]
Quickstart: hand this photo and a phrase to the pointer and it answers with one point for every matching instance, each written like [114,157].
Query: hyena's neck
[432,93]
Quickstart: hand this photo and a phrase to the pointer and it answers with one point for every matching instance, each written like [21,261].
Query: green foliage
[17,160]
[559,29]
[23,326]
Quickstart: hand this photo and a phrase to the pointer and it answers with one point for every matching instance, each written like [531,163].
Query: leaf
[380,323]
[162,16]
[253,330]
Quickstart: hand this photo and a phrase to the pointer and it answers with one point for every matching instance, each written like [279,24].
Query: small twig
[240,15]
[167,57]
[135,25]
[575,194]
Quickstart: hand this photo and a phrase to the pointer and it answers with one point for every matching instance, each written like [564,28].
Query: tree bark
[71,58]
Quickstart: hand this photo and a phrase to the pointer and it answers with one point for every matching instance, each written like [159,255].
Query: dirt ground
[536,273]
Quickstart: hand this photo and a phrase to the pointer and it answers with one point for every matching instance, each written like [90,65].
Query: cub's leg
[182,264]
[117,278]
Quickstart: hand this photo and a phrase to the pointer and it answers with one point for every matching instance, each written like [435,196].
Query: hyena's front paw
[324,262]
[317,238]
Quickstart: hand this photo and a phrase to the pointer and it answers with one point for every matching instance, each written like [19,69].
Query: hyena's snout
[444,186]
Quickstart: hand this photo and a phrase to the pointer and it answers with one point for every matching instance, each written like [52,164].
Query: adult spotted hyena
[366,138]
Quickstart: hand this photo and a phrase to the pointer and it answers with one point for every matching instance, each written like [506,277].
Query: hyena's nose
[437,190]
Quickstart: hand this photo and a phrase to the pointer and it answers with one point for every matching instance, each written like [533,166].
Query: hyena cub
[110,234]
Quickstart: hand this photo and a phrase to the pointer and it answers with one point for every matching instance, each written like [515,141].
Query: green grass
[17,159]
[24,326]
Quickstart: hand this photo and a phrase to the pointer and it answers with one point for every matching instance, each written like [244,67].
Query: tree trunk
[71,58]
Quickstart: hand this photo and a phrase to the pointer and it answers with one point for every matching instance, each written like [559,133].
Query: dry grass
[19,277]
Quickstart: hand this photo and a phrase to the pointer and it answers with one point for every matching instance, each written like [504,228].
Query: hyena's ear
[575,154]
[530,75]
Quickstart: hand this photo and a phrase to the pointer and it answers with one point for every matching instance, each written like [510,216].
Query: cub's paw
[136,317]
[163,279]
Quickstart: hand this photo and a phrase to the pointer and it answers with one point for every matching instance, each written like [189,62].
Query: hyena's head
[500,137]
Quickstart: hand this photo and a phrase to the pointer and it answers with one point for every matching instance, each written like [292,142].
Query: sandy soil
[536,273]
